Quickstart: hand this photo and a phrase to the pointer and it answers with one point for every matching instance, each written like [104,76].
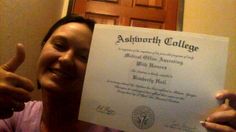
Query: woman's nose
[67,59]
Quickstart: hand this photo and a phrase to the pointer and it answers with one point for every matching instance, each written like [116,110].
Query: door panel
[146,24]
[150,3]
[103,19]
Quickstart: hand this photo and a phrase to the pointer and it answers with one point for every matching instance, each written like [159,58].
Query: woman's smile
[62,74]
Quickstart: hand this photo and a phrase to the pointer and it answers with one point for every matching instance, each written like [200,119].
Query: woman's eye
[59,46]
[60,43]
[82,57]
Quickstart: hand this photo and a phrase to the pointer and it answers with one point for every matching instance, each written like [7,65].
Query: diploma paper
[152,80]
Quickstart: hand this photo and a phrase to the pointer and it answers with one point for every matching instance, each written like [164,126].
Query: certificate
[152,80]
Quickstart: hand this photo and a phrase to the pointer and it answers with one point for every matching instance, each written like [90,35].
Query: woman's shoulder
[29,117]
[33,106]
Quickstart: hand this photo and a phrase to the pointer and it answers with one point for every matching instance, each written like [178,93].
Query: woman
[61,69]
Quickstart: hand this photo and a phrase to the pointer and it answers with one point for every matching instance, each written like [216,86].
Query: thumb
[225,94]
[16,60]
[231,96]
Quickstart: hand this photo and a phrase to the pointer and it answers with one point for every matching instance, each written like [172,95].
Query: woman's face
[62,62]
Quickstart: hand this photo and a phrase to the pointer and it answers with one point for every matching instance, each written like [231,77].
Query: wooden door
[160,14]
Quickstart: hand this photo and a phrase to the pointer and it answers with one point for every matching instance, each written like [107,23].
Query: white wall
[26,21]
[216,17]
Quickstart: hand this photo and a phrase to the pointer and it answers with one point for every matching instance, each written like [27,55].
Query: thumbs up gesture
[14,89]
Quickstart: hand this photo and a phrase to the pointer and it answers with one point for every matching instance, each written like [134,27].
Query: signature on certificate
[105,110]
[181,126]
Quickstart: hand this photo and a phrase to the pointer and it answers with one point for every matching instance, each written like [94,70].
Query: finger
[18,106]
[17,93]
[226,95]
[223,95]
[16,60]
[216,127]
[222,116]
[6,113]
[20,81]
[6,101]
[223,107]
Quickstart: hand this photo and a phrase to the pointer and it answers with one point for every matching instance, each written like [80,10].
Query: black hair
[67,19]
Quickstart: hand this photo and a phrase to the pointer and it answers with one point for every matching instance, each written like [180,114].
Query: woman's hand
[224,119]
[14,89]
